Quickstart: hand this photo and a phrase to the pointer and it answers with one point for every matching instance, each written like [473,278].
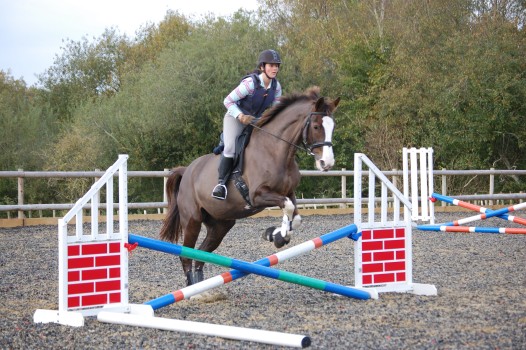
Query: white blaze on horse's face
[327,158]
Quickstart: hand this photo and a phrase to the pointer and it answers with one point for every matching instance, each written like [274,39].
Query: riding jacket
[251,97]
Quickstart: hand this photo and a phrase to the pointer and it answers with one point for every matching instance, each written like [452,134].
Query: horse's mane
[311,94]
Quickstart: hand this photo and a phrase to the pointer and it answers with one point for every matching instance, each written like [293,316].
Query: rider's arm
[245,88]
[277,94]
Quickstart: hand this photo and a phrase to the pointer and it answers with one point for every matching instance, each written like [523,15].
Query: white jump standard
[383,256]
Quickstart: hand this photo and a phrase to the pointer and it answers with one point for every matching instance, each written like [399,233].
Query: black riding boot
[225,167]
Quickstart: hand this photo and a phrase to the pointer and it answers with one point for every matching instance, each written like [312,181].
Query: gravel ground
[481,304]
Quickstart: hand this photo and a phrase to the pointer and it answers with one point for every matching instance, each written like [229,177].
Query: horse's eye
[316,127]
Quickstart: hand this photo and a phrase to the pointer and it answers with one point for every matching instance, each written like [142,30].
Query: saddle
[241,143]
[237,170]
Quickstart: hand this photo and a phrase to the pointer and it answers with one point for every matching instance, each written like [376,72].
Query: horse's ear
[320,103]
[313,92]
[336,102]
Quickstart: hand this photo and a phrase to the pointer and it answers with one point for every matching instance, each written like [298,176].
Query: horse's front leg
[296,217]
[282,235]
[291,220]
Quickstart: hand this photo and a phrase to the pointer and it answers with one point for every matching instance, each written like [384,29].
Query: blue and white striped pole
[349,231]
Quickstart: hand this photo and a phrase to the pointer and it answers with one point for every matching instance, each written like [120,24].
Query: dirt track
[481,304]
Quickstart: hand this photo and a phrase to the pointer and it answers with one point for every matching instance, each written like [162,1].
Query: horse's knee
[288,207]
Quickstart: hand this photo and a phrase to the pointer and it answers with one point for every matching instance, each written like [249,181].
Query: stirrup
[219,192]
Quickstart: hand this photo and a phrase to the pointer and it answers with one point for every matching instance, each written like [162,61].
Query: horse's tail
[171,230]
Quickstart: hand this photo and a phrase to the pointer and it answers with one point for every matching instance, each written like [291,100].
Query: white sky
[32,31]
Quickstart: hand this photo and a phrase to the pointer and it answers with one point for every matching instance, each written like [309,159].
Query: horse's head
[314,129]
[317,133]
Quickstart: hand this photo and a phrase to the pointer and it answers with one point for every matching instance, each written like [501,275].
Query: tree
[171,110]
[26,130]
[26,127]
[84,71]
[453,82]
[152,39]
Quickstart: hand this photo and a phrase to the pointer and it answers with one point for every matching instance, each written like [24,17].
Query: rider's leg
[231,129]
[220,147]
[225,167]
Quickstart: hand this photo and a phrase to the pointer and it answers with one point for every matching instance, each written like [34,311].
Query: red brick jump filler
[383,256]
[94,274]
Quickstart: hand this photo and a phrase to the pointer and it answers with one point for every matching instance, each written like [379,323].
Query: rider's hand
[245,119]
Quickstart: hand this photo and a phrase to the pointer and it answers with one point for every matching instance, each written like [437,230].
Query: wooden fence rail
[487,199]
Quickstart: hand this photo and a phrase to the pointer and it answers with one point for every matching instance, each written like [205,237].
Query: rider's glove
[245,119]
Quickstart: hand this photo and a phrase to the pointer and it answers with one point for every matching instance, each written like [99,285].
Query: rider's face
[271,69]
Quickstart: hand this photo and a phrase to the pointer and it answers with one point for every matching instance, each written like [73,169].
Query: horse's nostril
[322,163]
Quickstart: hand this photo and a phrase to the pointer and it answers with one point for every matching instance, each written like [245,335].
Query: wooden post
[344,189]
[444,188]
[165,197]
[20,194]
[491,186]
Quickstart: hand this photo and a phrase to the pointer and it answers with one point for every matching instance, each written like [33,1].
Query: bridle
[312,146]
[306,146]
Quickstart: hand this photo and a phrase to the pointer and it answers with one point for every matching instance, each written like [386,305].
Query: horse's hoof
[198,276]
[268,234]
[190,278]
[279,241]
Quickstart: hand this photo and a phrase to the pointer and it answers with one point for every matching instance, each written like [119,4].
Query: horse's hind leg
[190,235]
[215,232]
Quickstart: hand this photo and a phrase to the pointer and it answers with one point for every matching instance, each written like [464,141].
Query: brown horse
[299,121]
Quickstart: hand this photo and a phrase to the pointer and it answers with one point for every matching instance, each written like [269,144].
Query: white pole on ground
[228,332]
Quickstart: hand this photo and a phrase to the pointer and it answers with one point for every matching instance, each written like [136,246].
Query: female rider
[247,102]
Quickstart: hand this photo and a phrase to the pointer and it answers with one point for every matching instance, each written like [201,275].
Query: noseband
[314,145]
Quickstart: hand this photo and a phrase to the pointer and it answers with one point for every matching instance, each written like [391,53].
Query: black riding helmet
[268,56]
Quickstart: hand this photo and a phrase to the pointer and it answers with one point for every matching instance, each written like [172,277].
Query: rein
[306,147]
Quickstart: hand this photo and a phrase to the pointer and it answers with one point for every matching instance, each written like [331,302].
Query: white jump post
[93,269]
[418,165]
[383,255]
